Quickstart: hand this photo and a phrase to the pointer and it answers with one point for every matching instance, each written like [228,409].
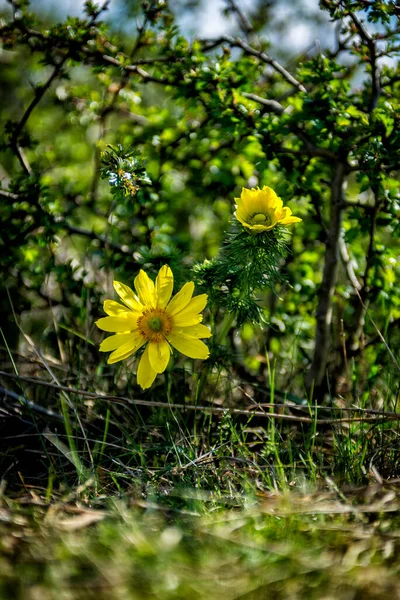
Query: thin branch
[369,40]
[239,43]
[244,22]
[95,236]
[348,264]
[39,93]
[272,105]
[215,409]
[4,394]
[392,356]
[132,68]
[9,195]
[275,107]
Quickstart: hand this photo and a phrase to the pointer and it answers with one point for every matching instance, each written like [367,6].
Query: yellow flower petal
[194,331]
[159,355]
[243,217]
[188,316]
[270,197]
[113,309]
[145,289]
[287,218]
[145,373]
[123,323]
[291,220]
[164,286]
[114,341]
[126,349]
[181,299]
[190,347]
[127,296]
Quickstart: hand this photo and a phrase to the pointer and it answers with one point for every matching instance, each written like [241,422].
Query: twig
[273,105]
[369,40]
[239,43]
[392,356]
[348,263]
[216,409]
[244,22]
[31,405]
[9,195]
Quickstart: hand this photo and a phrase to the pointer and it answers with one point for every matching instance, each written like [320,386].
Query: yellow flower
[151,317]
[260,210]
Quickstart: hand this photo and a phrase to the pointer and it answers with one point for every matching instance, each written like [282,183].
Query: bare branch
[273,105]
[369,40]
[216,409]
[9,195]
[244,22]
[239,43]
[349,264]
[267,59]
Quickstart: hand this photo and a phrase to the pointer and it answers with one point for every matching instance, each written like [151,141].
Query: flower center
[260,219]
[154,324]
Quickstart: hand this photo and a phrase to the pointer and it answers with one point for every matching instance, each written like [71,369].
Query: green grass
[107,495]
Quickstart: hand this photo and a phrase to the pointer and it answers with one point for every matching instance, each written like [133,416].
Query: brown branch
[39,93]
[239,43]
[131,68]
[369,40]
[213,409]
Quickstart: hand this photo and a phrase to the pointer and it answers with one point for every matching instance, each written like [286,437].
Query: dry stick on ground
[380,415]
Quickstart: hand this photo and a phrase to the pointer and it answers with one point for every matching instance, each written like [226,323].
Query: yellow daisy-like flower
[261,210]
[151,317]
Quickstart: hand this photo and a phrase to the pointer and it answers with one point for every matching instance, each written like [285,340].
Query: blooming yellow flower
[260,210]
[151,317]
